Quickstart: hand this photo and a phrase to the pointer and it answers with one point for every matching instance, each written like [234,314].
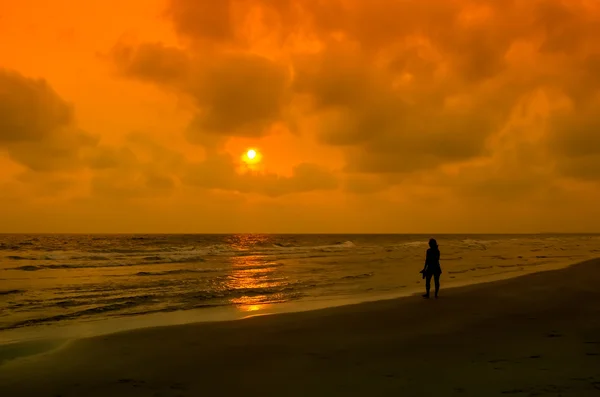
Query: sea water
[46,280]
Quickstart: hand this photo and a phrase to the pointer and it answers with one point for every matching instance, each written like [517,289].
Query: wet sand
[535,335]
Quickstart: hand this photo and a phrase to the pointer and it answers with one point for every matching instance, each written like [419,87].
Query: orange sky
[371,116]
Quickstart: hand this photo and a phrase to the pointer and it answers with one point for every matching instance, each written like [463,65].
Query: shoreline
[79,329]
[537,334]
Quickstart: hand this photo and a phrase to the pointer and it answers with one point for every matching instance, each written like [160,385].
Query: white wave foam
[412,244]
[329,247]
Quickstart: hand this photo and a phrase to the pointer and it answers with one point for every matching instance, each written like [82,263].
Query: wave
[476,244]
[119,257]
[412,244]
[70,316]
[27,268]
[93,257]
[57,257]
[167,309]
[11,292]
[284,245]
[209,249]
[174,259]
[191,256]
[257,267]
[358,276]
[460,271]
[507,266]
[145,261]
[177,271]
[292,247]
[4,247]
[151,303]
[34,268]
[338,245]
[474,269]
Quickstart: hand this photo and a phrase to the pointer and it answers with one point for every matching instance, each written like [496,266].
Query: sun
[252,157]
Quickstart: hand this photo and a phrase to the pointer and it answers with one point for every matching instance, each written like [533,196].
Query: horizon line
[303,233]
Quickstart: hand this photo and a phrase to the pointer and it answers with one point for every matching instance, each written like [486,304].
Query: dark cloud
[419,86]
[30,110]
[575,141]
[138,169]
[37,126]
[564,24]
[585,168]
[153,62]
[235,94]
[241,95]
[226,22]
[398,137]
[210,20]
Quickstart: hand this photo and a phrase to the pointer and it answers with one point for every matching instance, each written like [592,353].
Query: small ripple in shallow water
[11,292]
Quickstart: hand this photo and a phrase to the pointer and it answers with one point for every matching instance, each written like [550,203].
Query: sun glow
[251,157]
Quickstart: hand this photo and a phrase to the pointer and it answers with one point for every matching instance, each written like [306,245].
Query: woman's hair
[433,243]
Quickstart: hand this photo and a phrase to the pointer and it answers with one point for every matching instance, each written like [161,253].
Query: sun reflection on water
[249,241]
[253,276]
[245,307]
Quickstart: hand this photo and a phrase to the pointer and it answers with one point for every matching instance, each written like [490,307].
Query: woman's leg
[437,284]
[427,284]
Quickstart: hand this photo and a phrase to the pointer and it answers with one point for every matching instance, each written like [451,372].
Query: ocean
[50,280]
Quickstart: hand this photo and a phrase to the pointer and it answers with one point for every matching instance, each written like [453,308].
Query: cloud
[364,184]
[45,185]
[203,19]
[139,168]
[37,127]
[218,172]
[400,87]
[449,114]
[406,90]
[142,168]
[153,62]
[38,131]
[234,94]
[241,95]
[574,139]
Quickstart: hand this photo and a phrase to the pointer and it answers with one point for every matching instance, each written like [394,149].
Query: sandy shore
[536,335]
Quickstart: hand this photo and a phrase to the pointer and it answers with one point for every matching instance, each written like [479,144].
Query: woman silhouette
[432,268]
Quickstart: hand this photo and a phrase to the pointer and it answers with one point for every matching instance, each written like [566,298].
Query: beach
[54,280]
[534,335]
